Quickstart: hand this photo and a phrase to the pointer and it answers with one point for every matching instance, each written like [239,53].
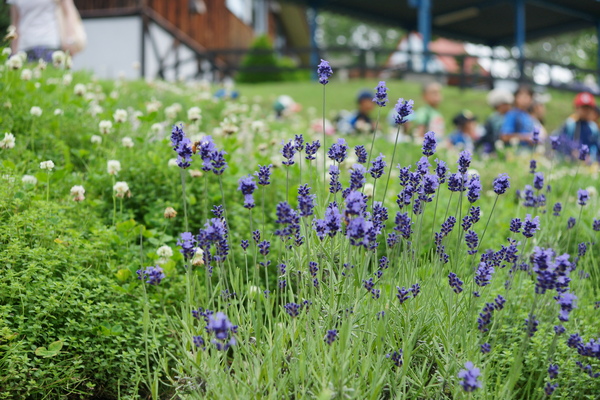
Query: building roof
[490,22]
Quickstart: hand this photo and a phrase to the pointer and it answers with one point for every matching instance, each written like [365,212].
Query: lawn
[157,242]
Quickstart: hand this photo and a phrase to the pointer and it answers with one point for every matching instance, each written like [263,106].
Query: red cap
[584,99]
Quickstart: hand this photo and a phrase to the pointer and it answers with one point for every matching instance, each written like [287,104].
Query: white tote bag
[68,16]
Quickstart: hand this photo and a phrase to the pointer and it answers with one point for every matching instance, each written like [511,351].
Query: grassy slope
[342,95]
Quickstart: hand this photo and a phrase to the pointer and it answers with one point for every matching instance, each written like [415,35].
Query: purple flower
[555,142]
[311,150]
[456,182]
[188,244]
[198,341]
[559,329]
[306,201]
[530,226]
[557,209]
[571,222]
[441,170]
[485,348]
[403,294]
[553,371]
[218,163]
[403,109]
[247,186]
[501,184]
[430,184]
[473,188]
[596,225]
[469,377]
[182,145]
[584,151]
[292,309]
[338,151]
[483,276]
[532,325]
[536,134]
[361,153]
[206,149]
[515,225]
[324,71]
[356,203]
[464,161]
[331,336]
[538,181]
[298,143]
[396,357]
[581,249]
[223,329]
[357,176]
[582,197]
[244,244]
[455,282]
[549,388]
[288,151]
[381,98]
[264,174]
[403,225]
[532,166]
[566,301]
[415,289]
[264,247]
[153,274]
[334,180]
[429,144]
[376,170]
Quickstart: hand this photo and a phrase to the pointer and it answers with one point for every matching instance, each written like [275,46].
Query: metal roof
[490,22]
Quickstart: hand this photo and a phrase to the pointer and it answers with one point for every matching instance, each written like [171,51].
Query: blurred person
[38,28]
[501,101]
[285,106]
[581,128]
[428,118]
[518,124]
[465,134]
[359,120]
[537,112]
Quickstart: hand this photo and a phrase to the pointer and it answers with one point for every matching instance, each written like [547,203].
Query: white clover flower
[164,251]
[96,139]
[47,165]
[170,213]
[78,193]
[26,74]
[156,128]
[8,142]
[196,173]
[170,112]
[6,51]
[113,167]
[14,63]
[37,74]
[105,126]
[258,126]
[58,58]
[229,127]
[592,191]
[67,79]
[127,142]
[29,180]
[120,115]
[114,94]
[69,63]
[136,65]
[37,85]
[153,106]
[172,162]
[35,111]
[9,178]
[58,111]
[194,114]
[198,258]
[121,189]
[41,65]
[79,89]
[23,56]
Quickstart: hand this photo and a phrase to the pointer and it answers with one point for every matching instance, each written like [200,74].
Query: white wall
[114,45]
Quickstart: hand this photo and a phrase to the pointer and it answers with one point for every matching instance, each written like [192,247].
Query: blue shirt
[517,121]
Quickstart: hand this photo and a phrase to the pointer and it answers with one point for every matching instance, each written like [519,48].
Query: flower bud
[170,213]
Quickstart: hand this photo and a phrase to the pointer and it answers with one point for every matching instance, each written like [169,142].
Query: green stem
[185,216]
[391,165]
[373,138]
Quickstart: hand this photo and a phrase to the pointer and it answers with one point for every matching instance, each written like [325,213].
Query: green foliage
[263,65]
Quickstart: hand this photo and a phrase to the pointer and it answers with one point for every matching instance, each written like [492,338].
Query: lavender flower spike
[582,197]
[501,184]
[381,98]
[324,71]
[429,144]
[403,109]
[469,377]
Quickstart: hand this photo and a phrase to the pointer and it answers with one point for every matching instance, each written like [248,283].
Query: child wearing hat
[501,101]
[581,127]
[466,130]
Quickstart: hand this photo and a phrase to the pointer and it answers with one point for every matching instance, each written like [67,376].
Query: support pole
[424,25]
[311,14]
[520,34]
[598,51]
